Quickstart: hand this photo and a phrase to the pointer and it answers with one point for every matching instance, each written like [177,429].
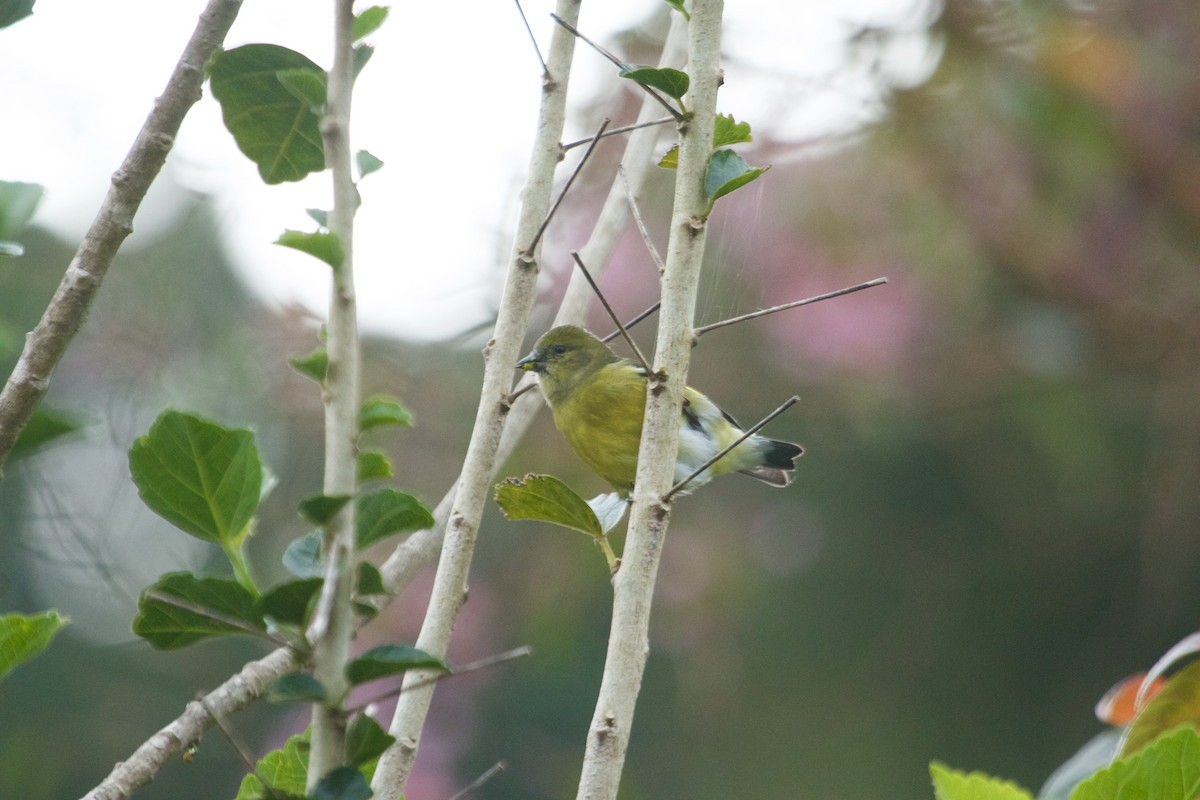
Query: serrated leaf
[315,365]
[373,465]
[272,126]
[368,21]
[547,499]
[285,770]
[342,783]
[24,636]
[388,512]
[18,201]
[390,659]
[729,131]
[365,740]
[43,427]
[322,245]
[672,82]
[1178,703]
[181,609]
[296,687]
[201,477]
[950,784]
[321,508]
[727,172]
[370,580]
[380,410]
[302,557]
[319,216]
[306,85]
[367,163]
[1167,769]
[14,10]
[288,602]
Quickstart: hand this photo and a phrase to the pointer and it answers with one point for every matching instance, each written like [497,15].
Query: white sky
[448,103]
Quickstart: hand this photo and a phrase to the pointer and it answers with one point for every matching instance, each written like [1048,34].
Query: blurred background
[995,520]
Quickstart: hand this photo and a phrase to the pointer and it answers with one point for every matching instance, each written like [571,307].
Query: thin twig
[632,322]
[703,329]
[215,615]
[616,320]
[532,38]
[483,663]
[566,187]
[238,748]
[678,117]
[753,429]
[615,131]
[641,224]
[492,772]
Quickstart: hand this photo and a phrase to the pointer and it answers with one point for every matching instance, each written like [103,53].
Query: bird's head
[566,355]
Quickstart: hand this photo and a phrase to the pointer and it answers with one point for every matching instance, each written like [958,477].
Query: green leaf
[24,636]
[367,163]
[546,498]
[368,21]
[201,477]
[296,687]
[18,201]
[315,365]
[390,659]
[342,783]
[727,172]
[321,508]
[288,603]
[284,770]
[370,580]
[671,159]
[273,127]
[362,54]
[43,427]
[302,557]
[1167,769]
[322,245]
[379,410]
[950,784]
[14,10]
[729,131]
[388,512]
[1177,704]
[670,81]
[202,607]
[306,85]
[319,216]
[373,465]
[365,740]
[678,6]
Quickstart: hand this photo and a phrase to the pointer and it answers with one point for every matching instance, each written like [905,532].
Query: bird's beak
[531,363]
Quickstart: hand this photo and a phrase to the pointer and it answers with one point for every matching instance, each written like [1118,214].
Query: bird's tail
[778,461]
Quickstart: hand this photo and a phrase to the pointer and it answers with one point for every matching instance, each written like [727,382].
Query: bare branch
[532,39]
[703,329]
[492,772]
[612,314]
[641,225]
[615,131]
[633,322]
[537,237]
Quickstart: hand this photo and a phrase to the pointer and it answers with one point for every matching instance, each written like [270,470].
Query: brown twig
[641,225]
[532,39]
[566,187]
[492,772]
[753,429]
[623,129]
[703,329]
[616,320]
[632,322]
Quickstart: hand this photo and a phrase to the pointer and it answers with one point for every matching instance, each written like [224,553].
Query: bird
[598,400]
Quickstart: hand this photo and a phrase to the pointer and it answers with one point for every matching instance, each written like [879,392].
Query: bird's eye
[558,349]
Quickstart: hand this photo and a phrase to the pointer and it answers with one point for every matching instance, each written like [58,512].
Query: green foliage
[18,201]
[307,86]
[181,609]
[380,410]
[14,10]
[285,772]
[727,172]
[342,783]
[289,602]
[373,465]
[271,120]
[388,512]
[366,741]
[22,637]
[368,21]
[729,131]
[321,508]
[297,687]
[1177,704]
[950,784]
[547,499]
[388,660]
[201,477]
[367,163]
[1168,769]
[323,245]
[315,365]
[671,82]
[302,557]
[370,580]
[44,426]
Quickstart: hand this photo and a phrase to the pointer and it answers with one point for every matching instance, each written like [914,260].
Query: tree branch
[45,345]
